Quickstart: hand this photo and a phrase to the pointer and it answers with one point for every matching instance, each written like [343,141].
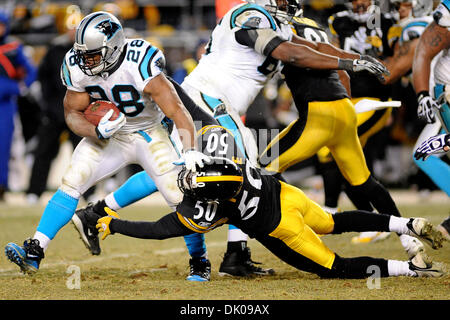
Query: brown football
[97,109]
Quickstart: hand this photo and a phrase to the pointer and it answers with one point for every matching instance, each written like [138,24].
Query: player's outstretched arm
[169,226]
[401,62]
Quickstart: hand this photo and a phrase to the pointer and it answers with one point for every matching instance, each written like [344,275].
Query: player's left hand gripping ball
[106,127]
[104,222]
[193,158]
[435,144]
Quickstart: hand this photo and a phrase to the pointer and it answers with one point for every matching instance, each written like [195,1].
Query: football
[97,109]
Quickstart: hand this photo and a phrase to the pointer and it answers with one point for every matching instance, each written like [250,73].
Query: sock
[359,221]
[398,224]
[57,214]
[378,196]
[437,170]
[137,187]
[195,244]
[235,234]
[399,268]
[44,241]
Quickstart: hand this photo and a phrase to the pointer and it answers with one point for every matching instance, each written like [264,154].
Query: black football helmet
[221,179]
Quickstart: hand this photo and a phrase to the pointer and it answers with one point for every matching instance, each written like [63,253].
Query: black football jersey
[364,34]
[307,84]
[255,210]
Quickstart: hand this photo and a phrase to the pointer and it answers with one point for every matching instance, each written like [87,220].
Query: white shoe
[370,236]
[412,246]
[422,266]
[421,228]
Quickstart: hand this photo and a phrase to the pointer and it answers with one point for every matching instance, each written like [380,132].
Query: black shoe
[200,270]
[239,264]
[84,221]
[444,227]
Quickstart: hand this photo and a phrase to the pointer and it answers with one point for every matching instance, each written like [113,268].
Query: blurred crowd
[44,30]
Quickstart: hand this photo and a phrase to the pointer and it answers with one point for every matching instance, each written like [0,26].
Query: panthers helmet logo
[108,28]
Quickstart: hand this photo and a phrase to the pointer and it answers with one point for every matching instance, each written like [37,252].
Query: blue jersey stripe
[144,66]
[423,24]
[66,73]
[251,6]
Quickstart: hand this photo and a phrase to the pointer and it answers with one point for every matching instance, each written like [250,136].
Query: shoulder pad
[442,14]
[252,16]
[414,29]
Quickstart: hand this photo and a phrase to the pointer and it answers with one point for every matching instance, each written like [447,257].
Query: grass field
[135,269]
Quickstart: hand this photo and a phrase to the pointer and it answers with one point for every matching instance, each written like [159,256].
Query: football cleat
[27,257]
[84,221]
[370,236]
[444,228]
[422,266]
[424,230]
[413,247]
[239,264]
[200,270]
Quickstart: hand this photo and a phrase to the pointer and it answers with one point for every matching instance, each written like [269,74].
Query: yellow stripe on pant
[301,220]
[329,123]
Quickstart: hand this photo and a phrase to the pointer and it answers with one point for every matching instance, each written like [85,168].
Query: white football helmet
[99,41]
[421,8]
[283,10]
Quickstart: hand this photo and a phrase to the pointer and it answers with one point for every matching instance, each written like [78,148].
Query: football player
[327,118]
[281,218]
[103,64]
[17,73]
[433,94]
[245,49]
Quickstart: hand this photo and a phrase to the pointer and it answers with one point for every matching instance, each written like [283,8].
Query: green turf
[150,269]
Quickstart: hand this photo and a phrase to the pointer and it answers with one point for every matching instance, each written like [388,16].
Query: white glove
[106,128]
[425,110]
[192,158]
[435,144]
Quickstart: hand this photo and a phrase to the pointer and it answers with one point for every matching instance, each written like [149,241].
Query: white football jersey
[442,67]
[233,72]
[124,84]
[413,28]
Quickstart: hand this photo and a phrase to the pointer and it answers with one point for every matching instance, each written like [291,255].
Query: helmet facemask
[285,10]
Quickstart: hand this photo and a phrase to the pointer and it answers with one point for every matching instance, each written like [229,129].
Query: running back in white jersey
[139,63]
[234,72]
[442,68]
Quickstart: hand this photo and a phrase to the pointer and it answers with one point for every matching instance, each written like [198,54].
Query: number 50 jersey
[255,210]
[123,85]
[237,62]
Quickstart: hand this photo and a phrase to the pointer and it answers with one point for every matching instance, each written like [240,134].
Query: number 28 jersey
[255,210]
[237,62]
[123,85]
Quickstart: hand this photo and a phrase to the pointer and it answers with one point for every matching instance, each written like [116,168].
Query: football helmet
[221,179]
[283,10]
[420,8]
[99,41]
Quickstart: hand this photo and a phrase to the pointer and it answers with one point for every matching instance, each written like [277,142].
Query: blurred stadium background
[177,27]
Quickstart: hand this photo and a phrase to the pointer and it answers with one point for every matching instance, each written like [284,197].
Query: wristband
[345,64]
[422,94]
[99,135]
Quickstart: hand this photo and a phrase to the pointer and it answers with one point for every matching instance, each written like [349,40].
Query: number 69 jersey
[123,85]
[237,62]
[255,210]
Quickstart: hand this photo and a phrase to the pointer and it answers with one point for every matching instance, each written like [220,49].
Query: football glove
[106,128]
[433,145]
[425,110]
[103,222]
[365,63]
[192,158]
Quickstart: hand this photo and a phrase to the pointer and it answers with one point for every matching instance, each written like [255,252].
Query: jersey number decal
[315,35]
[126,97]
[213,142]
[209,213]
